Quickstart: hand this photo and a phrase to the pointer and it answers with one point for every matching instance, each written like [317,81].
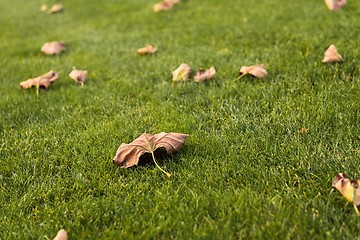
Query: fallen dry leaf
[78,76]
[163,6]
[42,81]
[61,235]
[56,8]
[182,73]
[332,55]
[202,75]
[334,5]
[128,155]
[166,5]
[52,48]
[348,188]
[148,49]
[257,71]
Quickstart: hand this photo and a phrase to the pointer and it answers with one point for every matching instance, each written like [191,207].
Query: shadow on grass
[160,155]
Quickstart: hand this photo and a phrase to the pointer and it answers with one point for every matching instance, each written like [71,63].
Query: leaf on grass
[42,81]
[61,235]
[332,55]
[202,75]
[52,48]
[128,155]
[334,5]
[78,76]
[163,6]
[348,188]
[148,49]
[257,71]
[182,73]
[56,8]
[166,5]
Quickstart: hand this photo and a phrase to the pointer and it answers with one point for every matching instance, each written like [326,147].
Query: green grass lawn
[245,172]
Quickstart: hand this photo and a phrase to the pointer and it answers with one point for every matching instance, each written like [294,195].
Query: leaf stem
[356,210]
[242,75]
[82,84]
[37,90]
[157,165]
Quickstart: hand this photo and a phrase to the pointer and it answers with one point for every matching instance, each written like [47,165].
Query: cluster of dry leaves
[53,48]
[348,188]
[45,80]
[128,155]
[182,73]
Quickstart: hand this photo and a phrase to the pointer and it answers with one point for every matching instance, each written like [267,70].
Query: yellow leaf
[334,5]
[181,73]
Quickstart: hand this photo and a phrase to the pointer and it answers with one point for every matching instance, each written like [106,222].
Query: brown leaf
[182,73]
[42,81]
[342,183]
[334,5]
[128,155]
[348,188]
[56,8]
[52,48]
[163,6]
[257,71]
[202,75]
[78,75]
[332,55]
[61,235]
[166,5]
[148,49]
